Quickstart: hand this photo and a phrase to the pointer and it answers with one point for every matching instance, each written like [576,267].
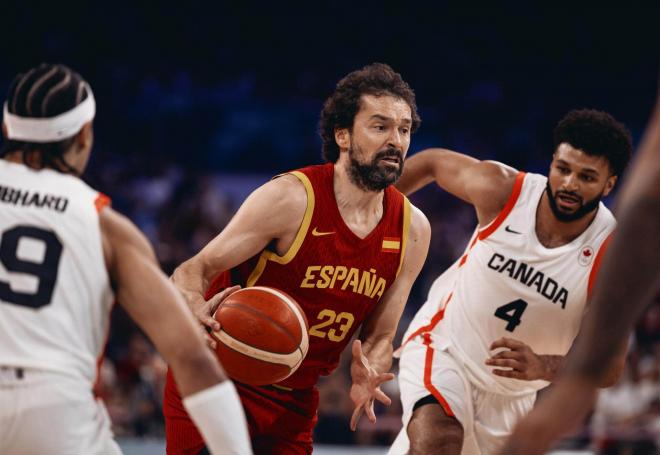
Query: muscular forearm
[379,353]
[553,364]
[190,278]
[195,370]
[418,172]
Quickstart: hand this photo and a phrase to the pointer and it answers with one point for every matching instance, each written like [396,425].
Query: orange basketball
[263,335]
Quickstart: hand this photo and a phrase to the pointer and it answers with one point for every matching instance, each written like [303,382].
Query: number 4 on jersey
[511,312]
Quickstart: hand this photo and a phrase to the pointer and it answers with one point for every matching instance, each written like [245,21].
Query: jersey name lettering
[358,281]
[526,274]
[27,198]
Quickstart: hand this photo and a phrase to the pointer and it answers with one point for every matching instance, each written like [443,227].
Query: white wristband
[218,414]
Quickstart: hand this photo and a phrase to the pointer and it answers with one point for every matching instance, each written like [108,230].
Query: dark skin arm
[486,185]
[155,305]
[628,278]
[521,362]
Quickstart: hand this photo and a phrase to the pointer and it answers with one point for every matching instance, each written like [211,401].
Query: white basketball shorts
[46,412]
[487,418]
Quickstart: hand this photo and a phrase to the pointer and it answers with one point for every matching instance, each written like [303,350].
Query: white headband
[50,129]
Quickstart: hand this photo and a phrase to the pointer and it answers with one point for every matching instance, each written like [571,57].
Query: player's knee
[431,430]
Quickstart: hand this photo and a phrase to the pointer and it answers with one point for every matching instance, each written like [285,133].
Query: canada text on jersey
[526,274]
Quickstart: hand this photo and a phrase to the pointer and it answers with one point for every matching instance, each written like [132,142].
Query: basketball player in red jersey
[340,240]
[629,276]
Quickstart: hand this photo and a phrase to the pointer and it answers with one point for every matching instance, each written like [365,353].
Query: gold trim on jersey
[297,242]
[406,231]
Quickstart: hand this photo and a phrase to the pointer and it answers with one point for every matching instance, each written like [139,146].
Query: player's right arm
[273,211]
[159,309]
[486,185]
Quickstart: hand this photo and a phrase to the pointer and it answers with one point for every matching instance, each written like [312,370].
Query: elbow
[195,359]
[610,379]
[612,376]
[608,382]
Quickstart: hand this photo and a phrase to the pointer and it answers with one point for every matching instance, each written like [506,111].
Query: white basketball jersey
[55,294]
[507,284]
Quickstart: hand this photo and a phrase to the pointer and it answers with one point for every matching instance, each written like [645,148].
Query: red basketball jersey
[335,276]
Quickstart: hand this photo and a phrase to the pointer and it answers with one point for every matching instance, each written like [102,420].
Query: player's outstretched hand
[523,362]
[204,311]
[366,386]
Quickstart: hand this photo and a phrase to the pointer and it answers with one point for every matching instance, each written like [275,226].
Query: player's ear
[552,160]
[342,138]
[609,185]
[85,136]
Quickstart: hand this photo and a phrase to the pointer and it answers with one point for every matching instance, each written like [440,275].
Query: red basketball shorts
[279,421]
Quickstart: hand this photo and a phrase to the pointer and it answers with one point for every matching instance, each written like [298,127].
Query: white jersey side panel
[509,285]
[55,295]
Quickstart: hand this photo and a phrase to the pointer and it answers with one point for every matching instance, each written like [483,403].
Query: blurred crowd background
[200,104]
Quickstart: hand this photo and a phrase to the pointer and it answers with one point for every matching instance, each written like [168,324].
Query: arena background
[200,103]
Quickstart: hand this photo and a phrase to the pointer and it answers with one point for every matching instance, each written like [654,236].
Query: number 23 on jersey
[333,325]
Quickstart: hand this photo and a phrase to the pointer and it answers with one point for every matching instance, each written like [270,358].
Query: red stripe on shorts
[428,364]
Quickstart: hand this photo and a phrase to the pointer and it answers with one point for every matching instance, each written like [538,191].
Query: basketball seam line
[256,353]
[263,317]
[294,307]
[214,336]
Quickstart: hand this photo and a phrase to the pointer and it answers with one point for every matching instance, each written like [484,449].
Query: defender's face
[576,179]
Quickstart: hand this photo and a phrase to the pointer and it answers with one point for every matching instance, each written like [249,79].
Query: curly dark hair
[596,133]
[340,108]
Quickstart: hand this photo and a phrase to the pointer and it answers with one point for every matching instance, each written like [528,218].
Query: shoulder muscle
[489,187]
[119,233]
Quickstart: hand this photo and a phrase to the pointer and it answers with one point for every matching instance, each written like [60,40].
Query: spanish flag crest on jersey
[391,244]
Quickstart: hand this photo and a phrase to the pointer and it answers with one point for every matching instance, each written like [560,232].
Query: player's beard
[377,174]
[584,209]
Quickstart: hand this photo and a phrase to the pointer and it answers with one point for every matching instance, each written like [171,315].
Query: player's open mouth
[392,160]
[568,201]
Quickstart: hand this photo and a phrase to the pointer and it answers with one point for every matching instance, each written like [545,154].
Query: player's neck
[351,195]
[360,209]
[31,160]
[553,233]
